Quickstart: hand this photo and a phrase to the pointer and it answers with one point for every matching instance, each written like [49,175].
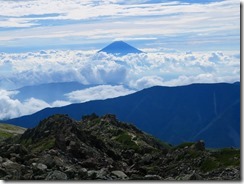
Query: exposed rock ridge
[103,148]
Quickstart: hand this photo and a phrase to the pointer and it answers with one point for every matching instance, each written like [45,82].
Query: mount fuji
[120,48]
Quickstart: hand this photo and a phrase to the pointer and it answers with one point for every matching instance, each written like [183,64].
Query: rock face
[103,148]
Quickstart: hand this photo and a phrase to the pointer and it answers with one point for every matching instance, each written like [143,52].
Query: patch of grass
[194,153]
[7,131]
[209,164]
[91,117]
[126,140]
[44,144]
[8,127]
[4,135]
[228,157]
[221,159]
[26,142]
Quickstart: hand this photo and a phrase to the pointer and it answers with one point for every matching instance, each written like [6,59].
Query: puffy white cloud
[147,81]
[60,103]
[215,57]
[201,78]
[11,108]
[32,105]
[98,93]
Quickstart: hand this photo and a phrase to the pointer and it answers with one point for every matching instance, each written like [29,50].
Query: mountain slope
[103,148]
[173,114]
[120,48]
[7,131]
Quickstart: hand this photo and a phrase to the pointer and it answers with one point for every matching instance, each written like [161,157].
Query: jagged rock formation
[104,148]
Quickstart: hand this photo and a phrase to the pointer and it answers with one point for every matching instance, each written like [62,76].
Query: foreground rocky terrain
[103,148]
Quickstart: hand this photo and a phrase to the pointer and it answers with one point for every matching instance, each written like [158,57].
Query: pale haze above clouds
[182,24]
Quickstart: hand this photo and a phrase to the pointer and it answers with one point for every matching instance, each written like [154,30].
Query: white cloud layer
[114,75]
[134,70]
[10,107]
[100,92]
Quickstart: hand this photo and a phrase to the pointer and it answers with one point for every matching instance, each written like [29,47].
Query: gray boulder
[56,175]
[119,174]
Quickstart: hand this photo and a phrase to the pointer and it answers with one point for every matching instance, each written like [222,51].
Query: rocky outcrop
[103,148]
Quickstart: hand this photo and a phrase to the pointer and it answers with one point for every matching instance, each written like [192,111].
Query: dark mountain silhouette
[104,148]
[120,48]
[174,114]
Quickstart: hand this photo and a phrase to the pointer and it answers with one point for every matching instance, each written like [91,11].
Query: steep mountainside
[175,114]
[103,148]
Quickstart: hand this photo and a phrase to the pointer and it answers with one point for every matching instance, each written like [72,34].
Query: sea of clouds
[113,75]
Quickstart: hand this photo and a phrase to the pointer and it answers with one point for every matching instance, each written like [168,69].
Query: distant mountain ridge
[120,48]
[49,92]
[174,114]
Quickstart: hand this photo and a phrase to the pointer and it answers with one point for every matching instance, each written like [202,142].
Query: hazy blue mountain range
[120,48]
[49,92]
[174,114]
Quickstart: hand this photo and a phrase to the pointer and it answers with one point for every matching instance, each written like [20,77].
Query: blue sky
[186,25]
